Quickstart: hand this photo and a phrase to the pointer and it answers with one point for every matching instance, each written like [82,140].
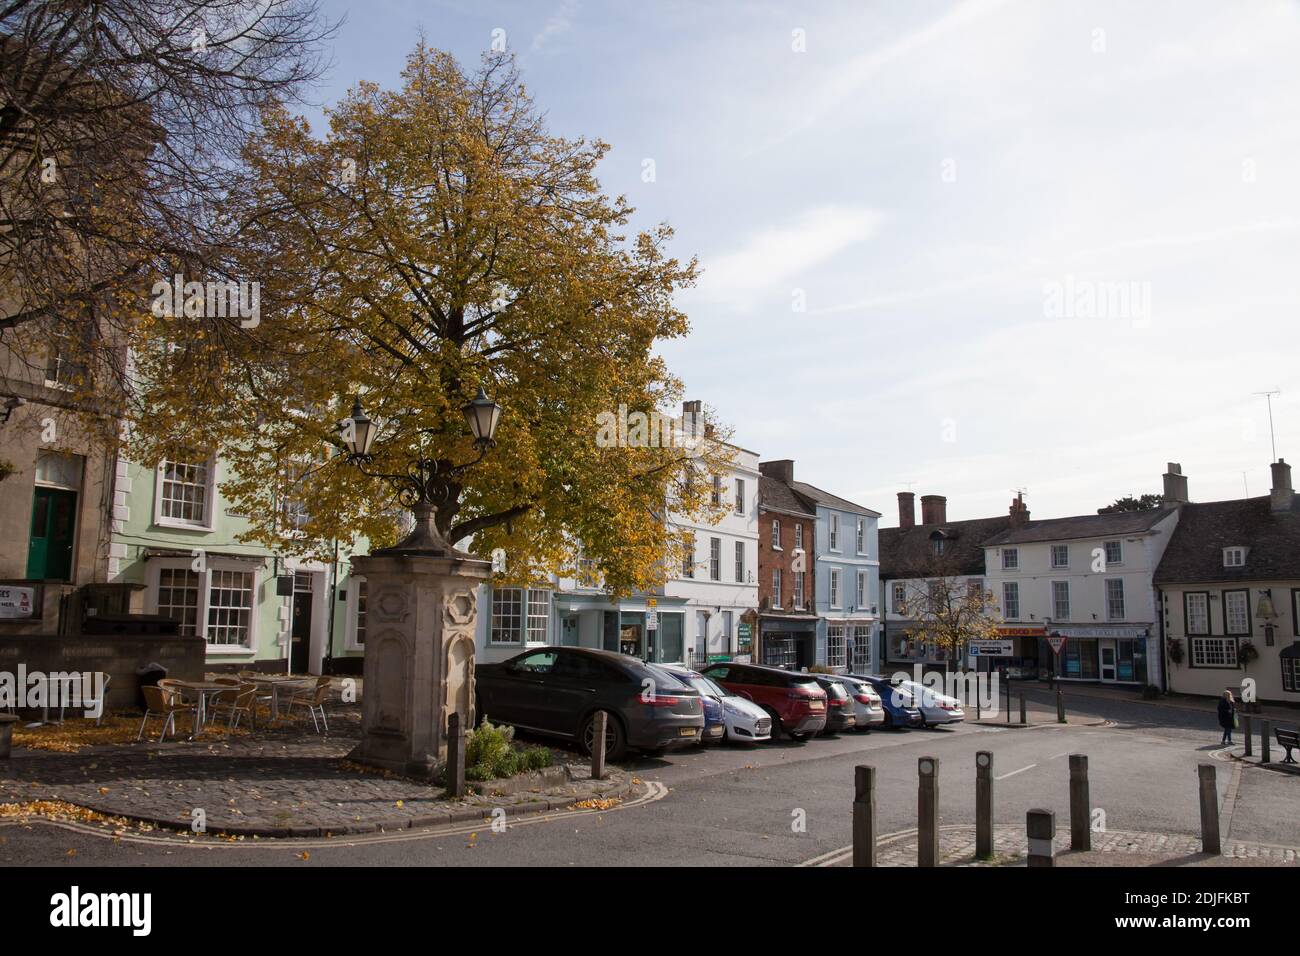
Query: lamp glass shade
[359,431]
[482,415]
[1265,611]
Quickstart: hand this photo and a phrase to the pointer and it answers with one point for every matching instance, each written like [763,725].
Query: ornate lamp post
[421,608]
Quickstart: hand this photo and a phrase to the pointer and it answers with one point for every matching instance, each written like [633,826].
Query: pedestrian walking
[1227,717]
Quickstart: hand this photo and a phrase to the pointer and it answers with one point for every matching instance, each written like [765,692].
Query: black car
[559,690]
[840,714]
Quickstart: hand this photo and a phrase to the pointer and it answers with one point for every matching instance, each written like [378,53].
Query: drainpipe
[1164,652]
[327,665]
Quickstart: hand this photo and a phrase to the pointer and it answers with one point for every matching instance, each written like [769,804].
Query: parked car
[839,705]
[900,710]
[714,724]
[794,701]
[743,720]
[867,707]
[936,708]
[559,690]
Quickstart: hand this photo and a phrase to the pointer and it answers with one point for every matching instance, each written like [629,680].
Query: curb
[436,818]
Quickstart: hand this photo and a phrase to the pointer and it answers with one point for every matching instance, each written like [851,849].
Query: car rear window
[804,679]
[664,680]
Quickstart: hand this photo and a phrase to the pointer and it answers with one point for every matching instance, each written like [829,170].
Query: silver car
[936,708]
[866,702]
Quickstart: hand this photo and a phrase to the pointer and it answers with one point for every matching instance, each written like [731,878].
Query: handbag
[1235,722]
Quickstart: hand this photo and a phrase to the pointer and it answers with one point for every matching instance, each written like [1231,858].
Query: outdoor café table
[64,683]
[275,684]
[202,689]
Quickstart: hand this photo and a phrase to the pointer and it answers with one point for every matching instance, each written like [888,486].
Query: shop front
[1028,657]
[787,641]
[652,629]
[1108,655]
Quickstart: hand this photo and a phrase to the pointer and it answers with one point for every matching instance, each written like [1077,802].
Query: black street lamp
[428,483]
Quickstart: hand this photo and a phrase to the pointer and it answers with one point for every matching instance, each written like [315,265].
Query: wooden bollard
[1209,809]
[1265,746]
[927,812]
[1024,714]
[1246,733]
[983,805]
[1040,828]
[455,756]
[1060,705]
[1080,804]
[598,724]
[864,816]
[1008,701]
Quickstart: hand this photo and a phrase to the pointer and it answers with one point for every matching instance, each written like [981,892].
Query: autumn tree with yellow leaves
[948,610]
[438,238]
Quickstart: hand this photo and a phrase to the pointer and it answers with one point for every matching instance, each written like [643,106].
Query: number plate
[817,705]
[687,731]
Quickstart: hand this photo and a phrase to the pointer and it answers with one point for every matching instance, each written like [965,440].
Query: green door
[54,522]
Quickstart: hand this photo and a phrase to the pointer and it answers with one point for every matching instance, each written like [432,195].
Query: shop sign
[1021,632]
[16,602]
[991,649]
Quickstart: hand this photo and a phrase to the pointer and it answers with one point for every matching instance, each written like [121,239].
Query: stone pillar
[421,608]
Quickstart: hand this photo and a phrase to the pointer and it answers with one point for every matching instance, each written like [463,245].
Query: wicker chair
[166,704]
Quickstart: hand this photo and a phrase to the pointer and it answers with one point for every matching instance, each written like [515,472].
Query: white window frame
[1065,548]
[797,592]
[1010,559]
[1057,613]
[209,502]
[1010,588]
[776,588]
[898,597]
[776,534]
[798,536]
[837,651]
[834,595]
[861,536]
[740,496]
[1204,611]
[862,590]
[835,532]
[530,617]
[1234,557]
[1225,651]
[496,611]
[715,559]
[688,558]
[1110,608]
[1228,595]
[1119,545]
[740,562]
[249,646]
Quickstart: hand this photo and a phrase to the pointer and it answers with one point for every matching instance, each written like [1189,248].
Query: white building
[1089,580]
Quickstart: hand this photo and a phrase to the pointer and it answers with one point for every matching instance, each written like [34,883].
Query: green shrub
[537,758]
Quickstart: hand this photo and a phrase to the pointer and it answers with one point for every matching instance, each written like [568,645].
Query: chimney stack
[1019,513]
[934,509]
[906,510]
[1281,494]
[782,470]
[1175,485]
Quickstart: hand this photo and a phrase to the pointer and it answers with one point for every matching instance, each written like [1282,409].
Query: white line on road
[1014,772]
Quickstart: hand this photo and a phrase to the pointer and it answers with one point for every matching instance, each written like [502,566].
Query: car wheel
[776,723]
[615,739]
[799,738]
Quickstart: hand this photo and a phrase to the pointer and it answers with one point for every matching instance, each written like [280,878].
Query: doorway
[1107,650]
[300,632]
[569,630]
[53,530]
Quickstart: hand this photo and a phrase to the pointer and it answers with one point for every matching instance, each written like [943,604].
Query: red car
[795,701]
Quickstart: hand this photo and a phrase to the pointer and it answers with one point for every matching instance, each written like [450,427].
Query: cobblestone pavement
[282,782]
[1111,848]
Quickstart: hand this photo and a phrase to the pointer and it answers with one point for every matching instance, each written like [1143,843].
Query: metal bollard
[1246,733]
[1080,804]
[599,721]
[983,805]
[1209,809]
[1265,747]
[927,813]
[1040,827]
[455,773]
[864,816]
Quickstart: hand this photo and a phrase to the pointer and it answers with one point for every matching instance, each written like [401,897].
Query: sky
[957,248]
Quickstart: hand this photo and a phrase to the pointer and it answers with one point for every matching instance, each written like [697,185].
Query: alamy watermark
[624,429]
[41,690]
[1087,299]
[972,690]
[208,300]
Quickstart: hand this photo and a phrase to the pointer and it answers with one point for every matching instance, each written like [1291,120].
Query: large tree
[121,126]
[437,239]
[948,609]
[1131,503]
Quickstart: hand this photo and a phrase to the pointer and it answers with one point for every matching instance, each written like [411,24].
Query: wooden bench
[1289,739]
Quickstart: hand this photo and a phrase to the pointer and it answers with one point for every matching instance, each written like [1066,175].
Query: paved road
[788,803]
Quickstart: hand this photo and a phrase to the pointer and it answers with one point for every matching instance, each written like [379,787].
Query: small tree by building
[949,610]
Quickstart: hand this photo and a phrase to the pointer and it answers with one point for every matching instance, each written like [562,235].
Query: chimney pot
[1175,485]
[1018,512]
[782,470]
[934,509]
[1281,494]
[906,509]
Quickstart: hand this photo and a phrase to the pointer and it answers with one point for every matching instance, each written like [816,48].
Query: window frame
[1123,599]
[355,584]
[1063,565]
[1223,601]
[1014,555]
[833,539]
[1015,588]
[1056,601]
[833,591]
[715,559]
[776,534]
[860,592]
[1225,641]
[1119,544]
[1187,614]
[860,536]
[153,579]
[776,588]
[739,504]
[740,562]
[210,465]
[1234,549]
[839,659]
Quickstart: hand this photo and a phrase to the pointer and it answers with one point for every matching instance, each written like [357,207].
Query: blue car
[715,726]
[900,708]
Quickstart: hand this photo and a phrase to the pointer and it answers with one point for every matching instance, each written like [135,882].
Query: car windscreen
[664,680]
[705,686]
[836,689]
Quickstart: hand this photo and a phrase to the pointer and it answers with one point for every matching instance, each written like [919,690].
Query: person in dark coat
[1227,717]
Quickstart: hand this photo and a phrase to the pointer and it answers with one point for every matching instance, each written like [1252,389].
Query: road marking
[1063,753]
[1014,772]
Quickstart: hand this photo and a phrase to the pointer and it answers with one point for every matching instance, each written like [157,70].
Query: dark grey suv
[558,691]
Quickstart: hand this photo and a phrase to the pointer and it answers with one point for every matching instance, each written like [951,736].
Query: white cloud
[558,24]
[780,254]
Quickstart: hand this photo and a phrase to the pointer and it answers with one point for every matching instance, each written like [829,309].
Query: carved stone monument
[421,607]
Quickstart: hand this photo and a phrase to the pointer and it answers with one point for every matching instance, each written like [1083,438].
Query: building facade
[1229,596]
[787,617]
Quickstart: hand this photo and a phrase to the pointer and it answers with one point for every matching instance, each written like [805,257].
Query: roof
[816,495]
[776,494]
[908,552]
[1083,526]
[1195,551]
